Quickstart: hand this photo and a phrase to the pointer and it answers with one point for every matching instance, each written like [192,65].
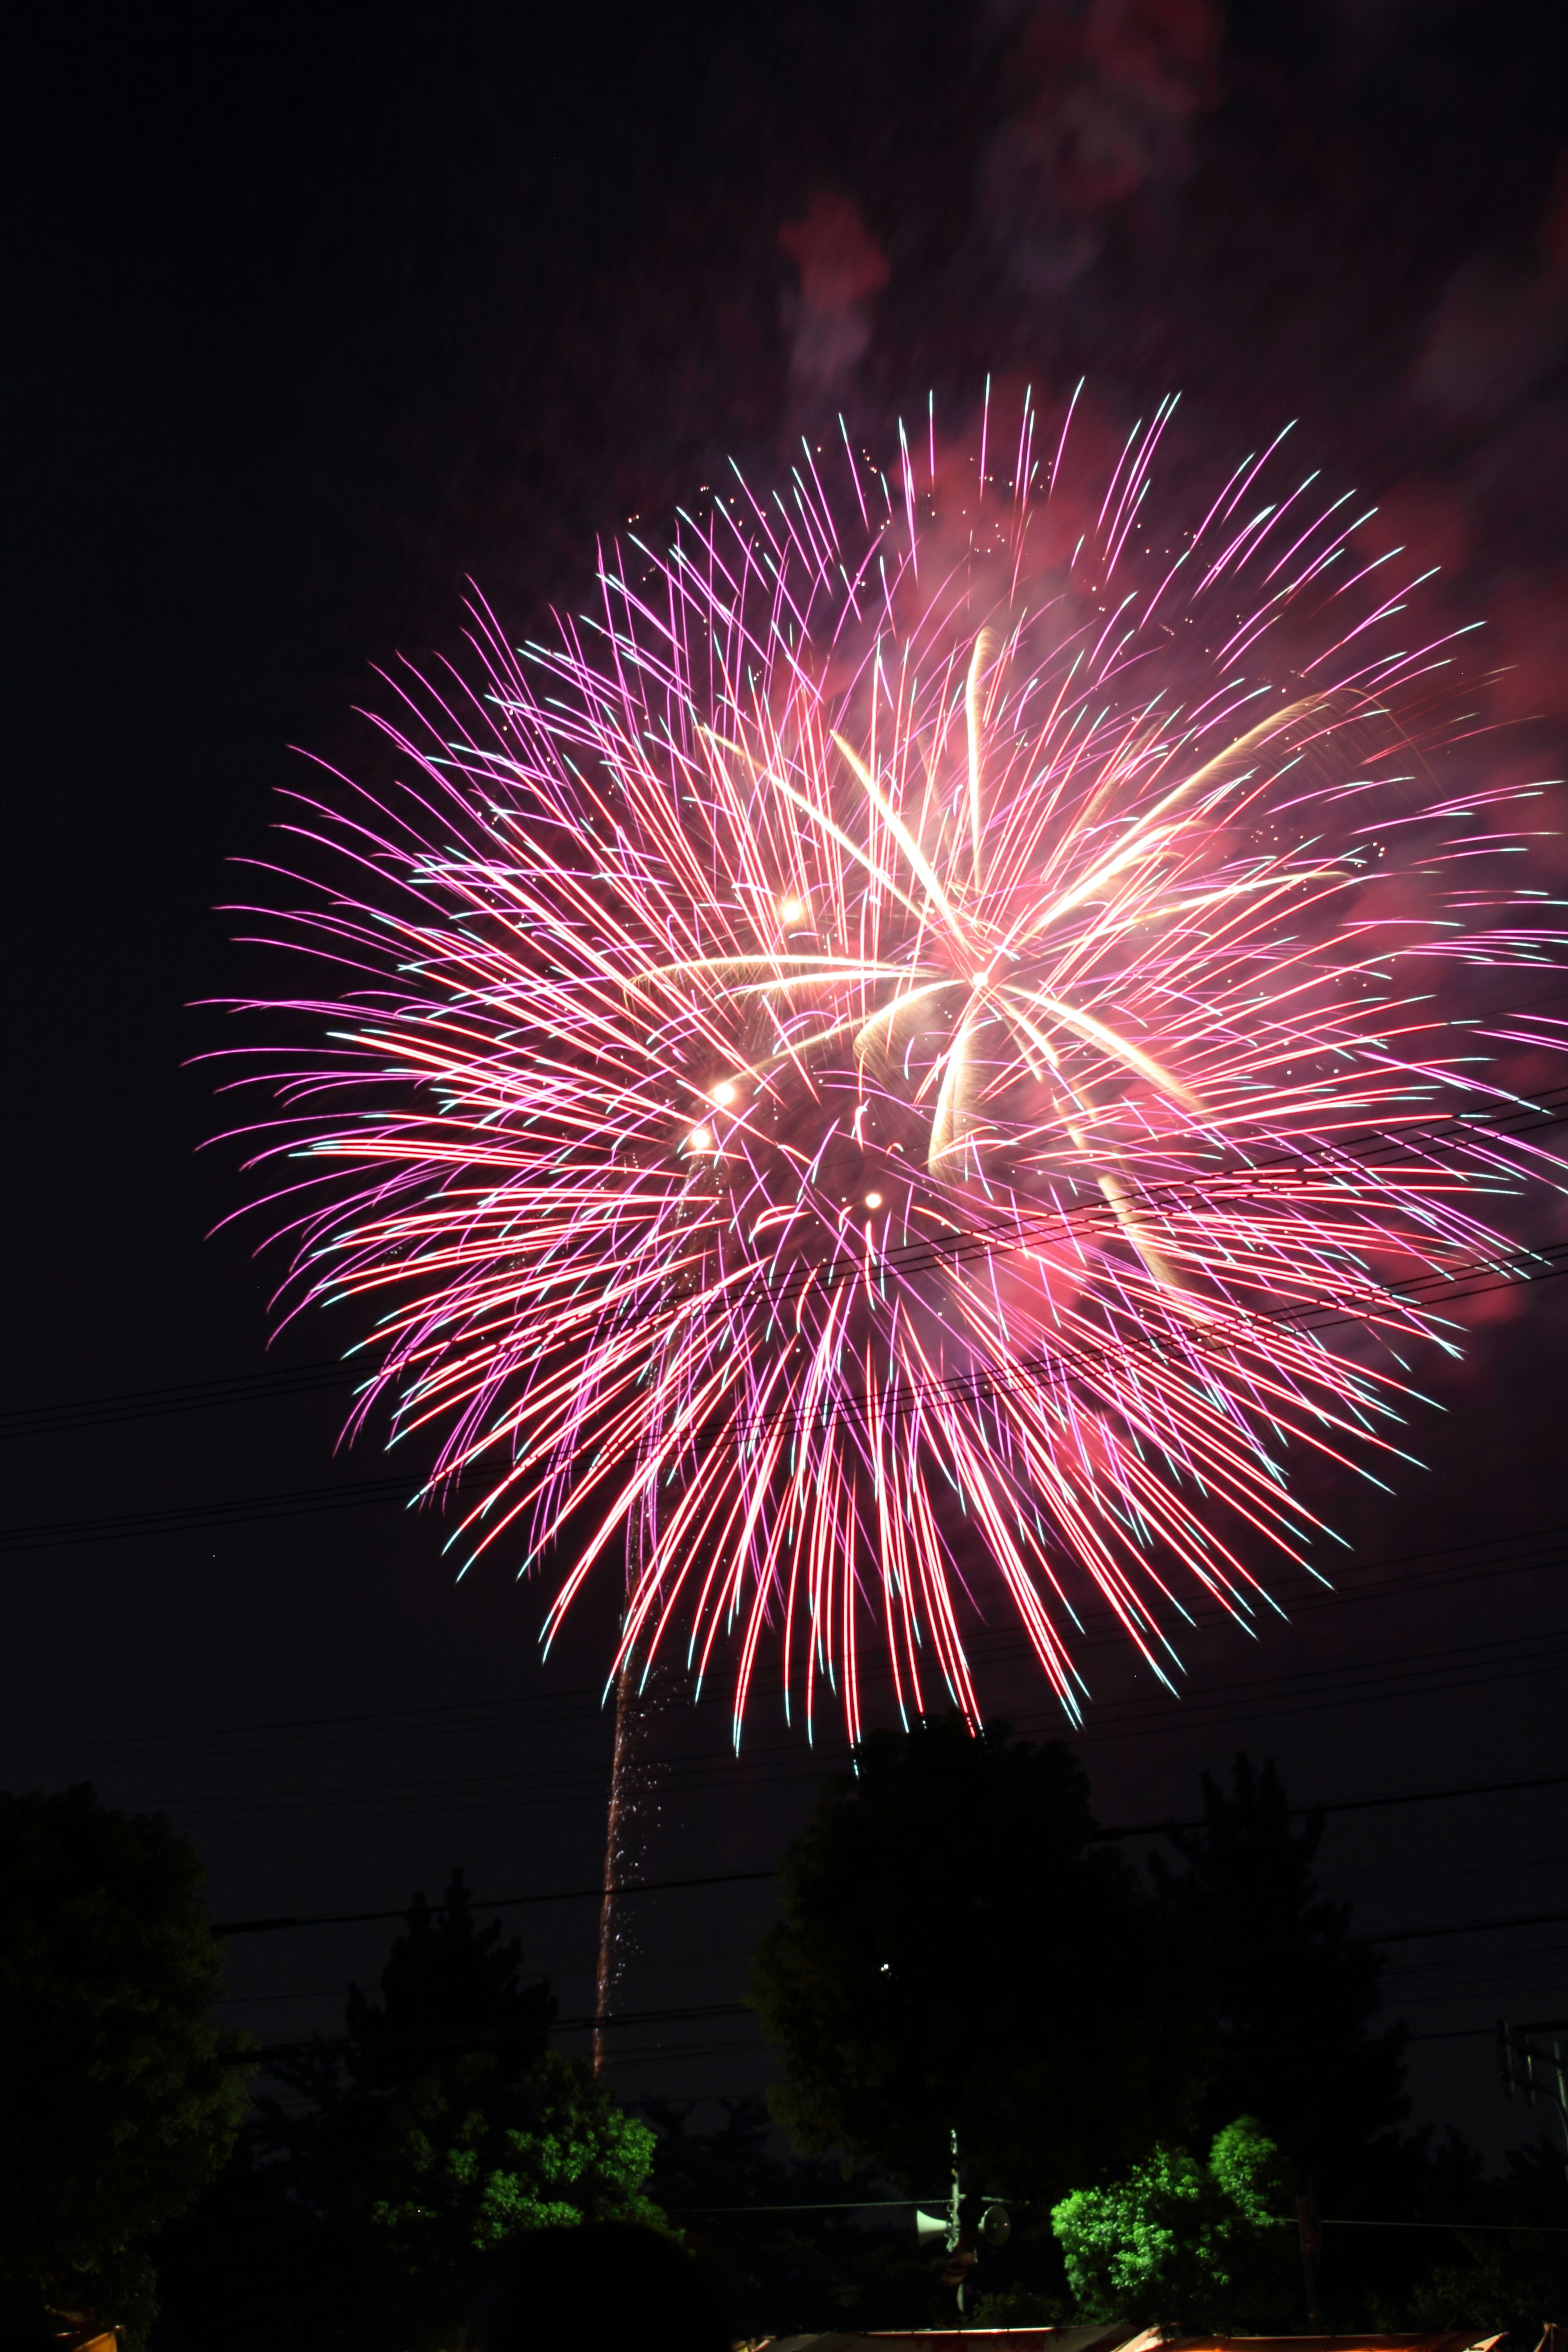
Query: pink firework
[898,1069]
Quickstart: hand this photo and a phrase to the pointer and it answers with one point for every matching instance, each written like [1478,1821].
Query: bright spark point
[873,1199]
[725,1095]
[700,1140]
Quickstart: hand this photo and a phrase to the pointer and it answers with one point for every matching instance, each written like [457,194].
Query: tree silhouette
[1295,1991]
[449,1986]
[119,2099]
[955,1954]
[294,2216]
[450,1989]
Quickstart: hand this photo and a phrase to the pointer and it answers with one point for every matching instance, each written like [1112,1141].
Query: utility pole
[961,2256]
[957,2226]
[619,1834]
[641,1694]
[1529,2068]
[1309,2222]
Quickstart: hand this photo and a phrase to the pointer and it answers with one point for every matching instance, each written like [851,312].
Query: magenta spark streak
[881,1058]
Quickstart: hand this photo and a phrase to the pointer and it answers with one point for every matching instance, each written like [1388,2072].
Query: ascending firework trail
[863,1061]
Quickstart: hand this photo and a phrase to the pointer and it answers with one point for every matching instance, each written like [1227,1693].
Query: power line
[464,1716]
[233,1511]
[686,2014]
[1526,1117]
[1530,1266]
[1218,1708]
[739,1877]
[357,1494]
[1453,2033]
[1274,1696]
[457,1716]
[1364,1804]
[1519,2228]
[1469,1927]
[902,1398]
[1373,1682]
[1529,1115]
[939,2198]
[183,1396]
[830,2205]
[489,1902]
[508,1791]
[465,2042]
[361,1494]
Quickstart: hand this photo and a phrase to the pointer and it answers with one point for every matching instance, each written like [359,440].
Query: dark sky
[315,316]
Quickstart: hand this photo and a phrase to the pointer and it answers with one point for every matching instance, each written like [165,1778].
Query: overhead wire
[282,1380]
[278,1922]
[1273,1698]
[461,1718]
[1529,1267]
[181,1396]
[1533,1267]
[700,1777]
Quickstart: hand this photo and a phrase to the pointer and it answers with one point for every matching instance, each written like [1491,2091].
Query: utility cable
[466,2042]
[1536,1266]
[1468,1927]
[938,2199]
[1270,1698]
[1527,1116]
[739,1878]
[481,1714]
[183,1396]
[489,1902]
[458,1716]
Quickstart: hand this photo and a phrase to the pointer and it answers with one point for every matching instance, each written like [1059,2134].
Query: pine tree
[1295,1990]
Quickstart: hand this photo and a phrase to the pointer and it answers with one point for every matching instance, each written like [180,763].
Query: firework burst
[899,1069]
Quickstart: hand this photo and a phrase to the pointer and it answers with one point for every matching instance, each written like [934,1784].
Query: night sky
[315,318]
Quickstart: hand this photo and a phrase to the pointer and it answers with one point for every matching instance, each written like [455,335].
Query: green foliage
[469,2162]
[117,2101]
[291,2225]
[450,1989]
[1184,2243]
[953,1952]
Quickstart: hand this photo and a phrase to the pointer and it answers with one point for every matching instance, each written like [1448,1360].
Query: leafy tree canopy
[117,2101]
[450,1988]
[1189,2244]
[954,1953]
[469,2162]
[440,2049]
